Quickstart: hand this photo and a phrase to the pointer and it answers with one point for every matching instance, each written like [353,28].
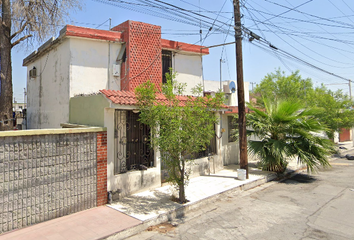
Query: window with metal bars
[166,64]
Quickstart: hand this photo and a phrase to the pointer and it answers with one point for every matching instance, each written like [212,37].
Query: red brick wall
[143,51]
[101,168]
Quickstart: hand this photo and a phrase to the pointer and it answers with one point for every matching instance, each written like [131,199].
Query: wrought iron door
[133,143]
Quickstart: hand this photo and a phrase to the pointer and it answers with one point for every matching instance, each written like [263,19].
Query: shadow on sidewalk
[300,178]
[146,204]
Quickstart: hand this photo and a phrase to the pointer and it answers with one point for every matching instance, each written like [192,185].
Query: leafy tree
[277,86]
[287,130]
[21,20]
[181,125]
[336,107]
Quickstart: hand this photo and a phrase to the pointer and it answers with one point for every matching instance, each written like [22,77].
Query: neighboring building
[18,107]
[88,76]
[83,61]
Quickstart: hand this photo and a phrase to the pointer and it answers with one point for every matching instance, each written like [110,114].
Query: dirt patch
[176,199]
[162,228]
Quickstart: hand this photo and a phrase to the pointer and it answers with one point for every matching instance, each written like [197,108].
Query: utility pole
[240,89]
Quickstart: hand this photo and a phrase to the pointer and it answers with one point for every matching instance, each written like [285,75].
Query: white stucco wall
[230,150]
[48,93]
[89,62]
[214,86]
[189,70]
[75,66]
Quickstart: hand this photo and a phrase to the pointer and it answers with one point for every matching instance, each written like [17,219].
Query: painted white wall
[76,66]
[214,86]
[230,150]
[48,93]
[89,66]
[189,70]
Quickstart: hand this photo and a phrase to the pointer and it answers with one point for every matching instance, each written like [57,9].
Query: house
[88,76]
[84,60]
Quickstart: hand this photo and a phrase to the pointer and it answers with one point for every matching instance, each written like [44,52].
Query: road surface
[319,206]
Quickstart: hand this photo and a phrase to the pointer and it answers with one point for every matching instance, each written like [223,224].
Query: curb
[183,209]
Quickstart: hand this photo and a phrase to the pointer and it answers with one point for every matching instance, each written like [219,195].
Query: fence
[45,174]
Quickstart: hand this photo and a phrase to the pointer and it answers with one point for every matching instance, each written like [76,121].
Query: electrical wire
[299,42]
[289,10]
[339,9]
[343,25]
[275,53]
[311,15]
[213,23]
[334,36]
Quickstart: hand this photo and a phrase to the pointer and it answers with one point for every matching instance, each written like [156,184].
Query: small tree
[181,125]
[286,130]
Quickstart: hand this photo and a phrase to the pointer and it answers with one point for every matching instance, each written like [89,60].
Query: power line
[339,10]
[292,46]
[102,23]
[289,10]
[287,54]
[343,24]
[299,42]
[328,32]
[275,53]
[213,23]
[311,15]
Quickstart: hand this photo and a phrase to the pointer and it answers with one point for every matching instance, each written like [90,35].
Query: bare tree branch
[19,31]
[20,40]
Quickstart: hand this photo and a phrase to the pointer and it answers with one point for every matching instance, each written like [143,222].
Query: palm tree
[286,130]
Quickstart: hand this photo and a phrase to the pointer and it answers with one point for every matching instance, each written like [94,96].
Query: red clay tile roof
[129,98]
[232,110]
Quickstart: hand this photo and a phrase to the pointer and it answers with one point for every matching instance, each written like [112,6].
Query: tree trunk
[182,195]
[6,122]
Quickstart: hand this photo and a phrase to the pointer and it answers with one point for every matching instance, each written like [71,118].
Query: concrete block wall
[46,176]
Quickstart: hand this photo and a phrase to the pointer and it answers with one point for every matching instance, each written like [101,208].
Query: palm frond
[287,130]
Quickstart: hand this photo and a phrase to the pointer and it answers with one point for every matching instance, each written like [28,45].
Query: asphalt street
[316,206]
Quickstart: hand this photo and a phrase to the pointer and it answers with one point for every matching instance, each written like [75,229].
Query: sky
[312,36]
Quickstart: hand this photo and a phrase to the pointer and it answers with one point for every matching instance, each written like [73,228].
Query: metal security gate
[132,139]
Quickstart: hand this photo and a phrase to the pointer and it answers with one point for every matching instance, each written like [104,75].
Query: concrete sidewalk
[137,212]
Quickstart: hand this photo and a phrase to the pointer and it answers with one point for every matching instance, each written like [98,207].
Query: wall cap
[51,131]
